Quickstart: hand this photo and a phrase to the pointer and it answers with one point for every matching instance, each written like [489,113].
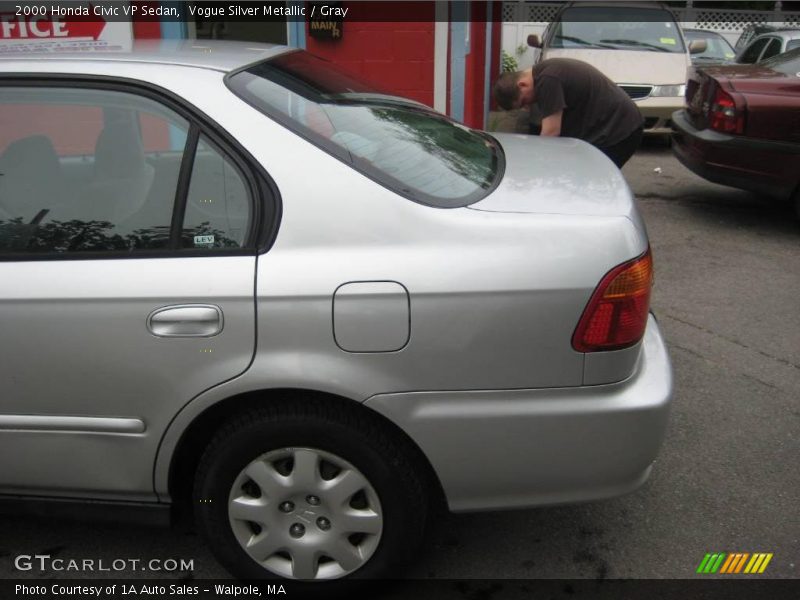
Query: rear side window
[773,48]
[406,147]
[753,51]
[93,170]
[218,206]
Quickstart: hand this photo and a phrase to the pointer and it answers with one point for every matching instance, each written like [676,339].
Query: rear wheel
[309,492]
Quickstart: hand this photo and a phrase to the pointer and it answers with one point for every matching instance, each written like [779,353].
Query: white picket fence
[521,18]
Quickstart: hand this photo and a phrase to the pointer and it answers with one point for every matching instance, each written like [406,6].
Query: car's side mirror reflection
[697,46]
[534,41]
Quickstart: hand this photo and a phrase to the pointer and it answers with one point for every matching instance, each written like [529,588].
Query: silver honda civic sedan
[237,282]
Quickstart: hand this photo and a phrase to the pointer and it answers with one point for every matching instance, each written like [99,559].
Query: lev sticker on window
[204,240]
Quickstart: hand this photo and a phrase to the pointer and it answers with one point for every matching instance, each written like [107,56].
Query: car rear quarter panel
[494,297]
[774,114]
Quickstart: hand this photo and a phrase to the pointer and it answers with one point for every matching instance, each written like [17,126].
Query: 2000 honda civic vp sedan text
[235,279]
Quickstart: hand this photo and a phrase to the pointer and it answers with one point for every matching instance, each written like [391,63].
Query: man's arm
[551,125]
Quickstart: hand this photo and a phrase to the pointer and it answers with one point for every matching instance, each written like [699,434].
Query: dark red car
[741,126]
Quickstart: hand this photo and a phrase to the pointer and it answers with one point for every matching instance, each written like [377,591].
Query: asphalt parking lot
[726,296]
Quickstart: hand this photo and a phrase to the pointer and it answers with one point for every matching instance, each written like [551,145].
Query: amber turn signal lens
[616,315]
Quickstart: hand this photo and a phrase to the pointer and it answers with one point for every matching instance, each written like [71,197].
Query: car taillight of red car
[616,315]
[724,115]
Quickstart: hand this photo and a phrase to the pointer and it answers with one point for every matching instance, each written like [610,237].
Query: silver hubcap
[304,513]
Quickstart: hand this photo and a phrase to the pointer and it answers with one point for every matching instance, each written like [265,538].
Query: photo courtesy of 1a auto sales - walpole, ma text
[401,299]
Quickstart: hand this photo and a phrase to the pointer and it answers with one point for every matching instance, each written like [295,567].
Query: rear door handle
[186,320]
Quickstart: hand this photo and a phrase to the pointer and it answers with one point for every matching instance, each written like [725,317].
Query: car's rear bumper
[761,166]
[514,448]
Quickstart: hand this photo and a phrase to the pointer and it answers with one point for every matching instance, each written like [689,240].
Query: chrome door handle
[185,320]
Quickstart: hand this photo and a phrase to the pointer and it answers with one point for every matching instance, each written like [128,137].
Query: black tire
[347,432]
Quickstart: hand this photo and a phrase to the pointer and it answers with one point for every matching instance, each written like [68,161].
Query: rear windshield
[617,28]
[402,145]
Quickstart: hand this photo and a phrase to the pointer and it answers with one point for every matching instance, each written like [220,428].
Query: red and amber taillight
[616,315]
[723,115]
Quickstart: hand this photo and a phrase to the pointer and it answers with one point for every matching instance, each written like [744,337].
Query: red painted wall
[146,30]
[475,67]
[497,33]
[73,130]
[397,57]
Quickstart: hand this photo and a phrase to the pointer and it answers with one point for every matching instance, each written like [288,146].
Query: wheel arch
[179,466]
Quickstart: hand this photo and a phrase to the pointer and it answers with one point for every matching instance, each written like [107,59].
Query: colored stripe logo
[734,563]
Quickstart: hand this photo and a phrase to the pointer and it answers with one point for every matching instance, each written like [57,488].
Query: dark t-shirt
[595,109]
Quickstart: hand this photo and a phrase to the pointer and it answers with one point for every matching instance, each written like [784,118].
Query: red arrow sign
[80,27]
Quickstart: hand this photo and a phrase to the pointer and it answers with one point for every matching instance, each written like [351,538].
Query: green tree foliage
[509,63]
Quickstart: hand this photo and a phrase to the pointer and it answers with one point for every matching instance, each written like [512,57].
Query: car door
[127,268]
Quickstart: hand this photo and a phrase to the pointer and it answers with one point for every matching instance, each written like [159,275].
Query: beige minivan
[639,46]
